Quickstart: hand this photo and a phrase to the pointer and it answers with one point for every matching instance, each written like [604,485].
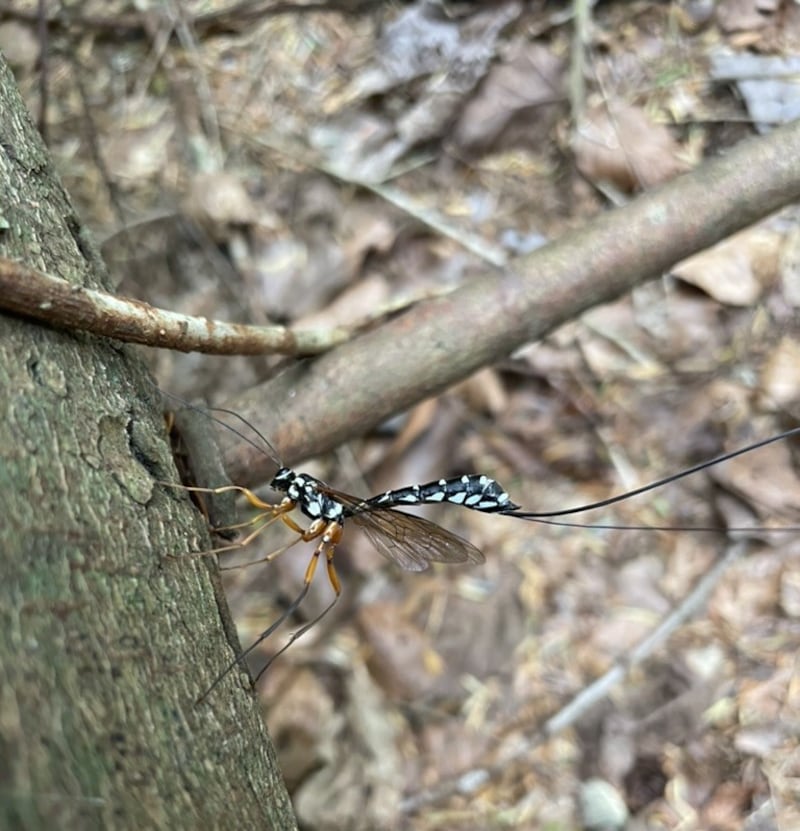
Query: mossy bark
[110,631]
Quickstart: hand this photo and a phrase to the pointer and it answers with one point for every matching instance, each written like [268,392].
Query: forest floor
[264,162]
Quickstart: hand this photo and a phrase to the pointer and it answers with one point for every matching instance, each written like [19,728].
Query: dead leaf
[790,589]
[780,376]
[452,55]
[618,143]
[217,200]
[422,42]
[135,154]
[767,84]
[752,589]
[790,267]
[762,702]
[529,78]
[737,270]
[745,15]
[19,46]
[484,392]
[357,305]
[725,808]
[302,724]
[399,656]
[366,231]
[783,771]
[420,420]
[359,787]
[766,480]
[418,42]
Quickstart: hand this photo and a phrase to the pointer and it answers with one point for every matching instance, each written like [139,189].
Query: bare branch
[316,406]
[32,293]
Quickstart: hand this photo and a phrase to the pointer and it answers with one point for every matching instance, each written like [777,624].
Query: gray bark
[109,631]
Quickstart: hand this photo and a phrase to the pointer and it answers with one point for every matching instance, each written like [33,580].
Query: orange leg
[243,543]
[260,520]
[333,577]
[267,558]
[254,500]
[304,535]
[333,534]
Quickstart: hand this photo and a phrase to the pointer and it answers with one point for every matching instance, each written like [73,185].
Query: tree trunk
[110,632]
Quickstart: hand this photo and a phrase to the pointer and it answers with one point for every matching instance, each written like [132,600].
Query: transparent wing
[413,542]
[410,541]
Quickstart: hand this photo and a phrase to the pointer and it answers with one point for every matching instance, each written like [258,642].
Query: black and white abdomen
[474,491]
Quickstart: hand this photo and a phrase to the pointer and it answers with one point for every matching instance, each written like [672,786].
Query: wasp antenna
[271,453]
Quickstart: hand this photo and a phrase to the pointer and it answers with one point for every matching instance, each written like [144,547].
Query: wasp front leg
[267,514]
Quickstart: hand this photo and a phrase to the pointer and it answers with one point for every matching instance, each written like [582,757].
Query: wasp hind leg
[331,533]
[327,545]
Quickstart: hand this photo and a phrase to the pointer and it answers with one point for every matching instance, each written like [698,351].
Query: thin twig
[433,219]
[580,42]
[693,602]
[44,68]
[32,293]
[209,120]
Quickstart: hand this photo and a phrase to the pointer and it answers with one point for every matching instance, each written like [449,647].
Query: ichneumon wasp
[410,541]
